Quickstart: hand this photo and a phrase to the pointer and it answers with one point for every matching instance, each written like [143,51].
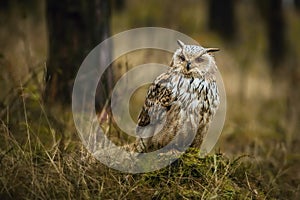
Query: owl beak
[188,65]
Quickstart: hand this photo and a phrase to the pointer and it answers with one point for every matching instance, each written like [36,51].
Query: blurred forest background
[43,43]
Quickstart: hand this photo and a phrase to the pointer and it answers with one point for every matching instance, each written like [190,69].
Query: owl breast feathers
[181,103]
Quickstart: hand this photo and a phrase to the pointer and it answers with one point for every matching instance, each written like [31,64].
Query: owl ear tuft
[209,50]
[172,63]
[180,43]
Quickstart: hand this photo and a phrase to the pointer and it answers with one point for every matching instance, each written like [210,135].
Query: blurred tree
[297,4]
[276,32]
[75,27]
[118,4]
[272,13]
[221,18]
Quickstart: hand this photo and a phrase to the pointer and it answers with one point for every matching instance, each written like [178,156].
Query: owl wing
[153,114]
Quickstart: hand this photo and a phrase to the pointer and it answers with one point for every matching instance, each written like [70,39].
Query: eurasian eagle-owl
[180,102]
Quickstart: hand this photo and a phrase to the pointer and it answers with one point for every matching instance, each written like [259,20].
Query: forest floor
[43,158]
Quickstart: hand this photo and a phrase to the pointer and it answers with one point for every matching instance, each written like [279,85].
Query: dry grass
[33,171]
[46,161]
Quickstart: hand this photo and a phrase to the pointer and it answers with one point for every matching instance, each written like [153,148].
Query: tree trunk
[297,4]
[221,18]
[276,33]
[272,13]
[75,28]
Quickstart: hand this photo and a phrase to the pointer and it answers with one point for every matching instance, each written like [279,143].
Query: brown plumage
[180,102]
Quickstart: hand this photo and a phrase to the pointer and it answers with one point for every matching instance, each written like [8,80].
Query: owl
[180,103]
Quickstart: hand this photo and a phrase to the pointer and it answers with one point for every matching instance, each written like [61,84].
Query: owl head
[193,59]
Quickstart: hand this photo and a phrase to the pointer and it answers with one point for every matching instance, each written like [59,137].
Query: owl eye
[181,57]
[199,59]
